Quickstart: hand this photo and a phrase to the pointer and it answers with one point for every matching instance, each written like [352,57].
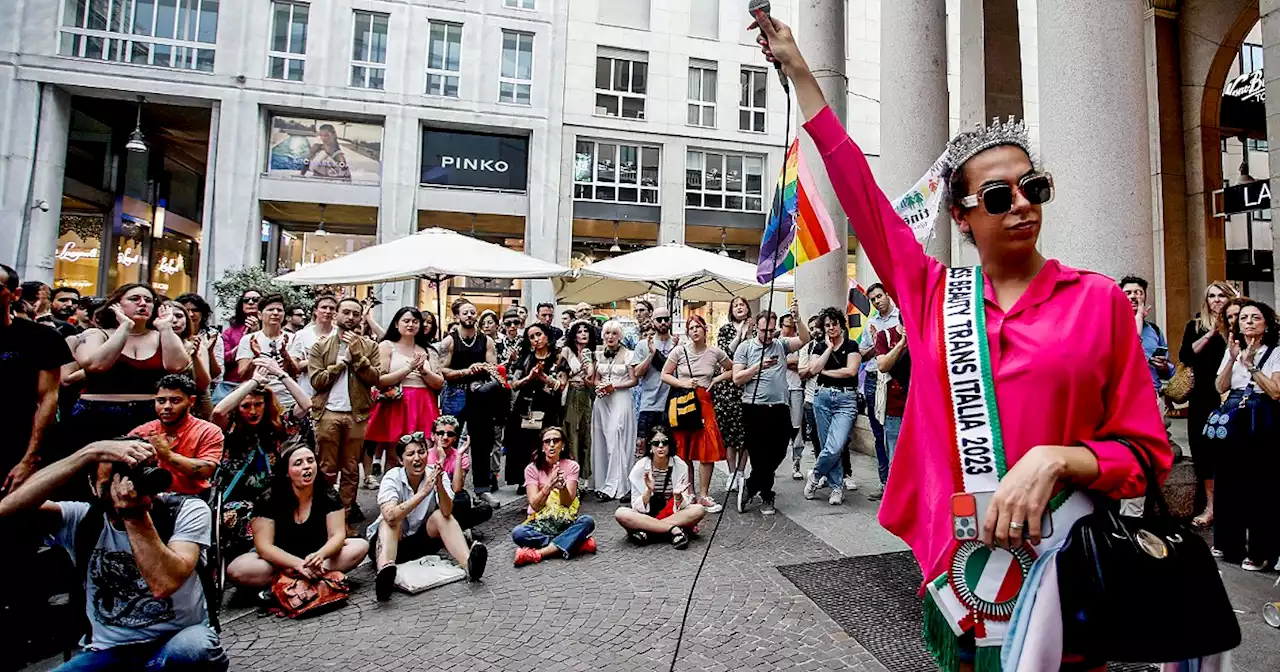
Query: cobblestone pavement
[617,610]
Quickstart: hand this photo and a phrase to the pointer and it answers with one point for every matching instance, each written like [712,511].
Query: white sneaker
[795,471]
[733,483]
[710,505]
[822,482]
[837,497]
[850,484]
[810,487]
[370,483]
[489,499]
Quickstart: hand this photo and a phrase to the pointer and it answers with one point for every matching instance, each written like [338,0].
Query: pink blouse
[1068,366]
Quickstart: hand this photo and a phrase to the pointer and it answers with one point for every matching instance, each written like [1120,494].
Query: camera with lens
[148,478]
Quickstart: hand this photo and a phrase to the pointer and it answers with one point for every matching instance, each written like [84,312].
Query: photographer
[138,552]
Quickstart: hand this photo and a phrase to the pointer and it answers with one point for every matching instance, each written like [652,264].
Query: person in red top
[891,347]
[186,446]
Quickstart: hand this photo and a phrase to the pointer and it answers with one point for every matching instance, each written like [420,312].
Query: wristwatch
[1253,370]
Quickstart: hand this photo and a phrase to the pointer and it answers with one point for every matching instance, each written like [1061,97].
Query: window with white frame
[622,78]
[702,93]
[288,54]
[519,4]
[515,85]
[369,51]
[444,59]
[724,181]
[751,105]
[163,33]
[616,172]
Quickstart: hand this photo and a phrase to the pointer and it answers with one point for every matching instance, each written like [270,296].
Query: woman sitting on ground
[417,516]
[662,500]
[299,526]
[457,462]
[255,428]
[554,526]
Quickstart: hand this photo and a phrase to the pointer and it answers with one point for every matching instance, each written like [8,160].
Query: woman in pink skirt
[407,389]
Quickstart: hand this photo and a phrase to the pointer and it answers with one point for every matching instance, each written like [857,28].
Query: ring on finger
[1015,525]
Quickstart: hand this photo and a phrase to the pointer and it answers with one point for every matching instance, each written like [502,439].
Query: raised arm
[173,352]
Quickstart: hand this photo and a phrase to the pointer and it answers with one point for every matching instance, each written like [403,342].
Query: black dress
[1204,397]
[521,443]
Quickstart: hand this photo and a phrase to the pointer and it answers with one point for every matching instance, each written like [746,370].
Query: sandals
[679,540]
[1203,520]
[638,537]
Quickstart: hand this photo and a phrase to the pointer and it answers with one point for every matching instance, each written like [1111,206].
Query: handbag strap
[1155,505]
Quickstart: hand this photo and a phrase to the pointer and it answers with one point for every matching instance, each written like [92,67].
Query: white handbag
[427,572]
[882,395]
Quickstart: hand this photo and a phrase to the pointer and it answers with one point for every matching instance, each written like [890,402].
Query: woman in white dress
[613,419]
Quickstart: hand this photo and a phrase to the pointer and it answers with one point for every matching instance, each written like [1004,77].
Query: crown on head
[970,143]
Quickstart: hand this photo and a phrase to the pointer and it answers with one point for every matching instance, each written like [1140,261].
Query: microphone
[759,10]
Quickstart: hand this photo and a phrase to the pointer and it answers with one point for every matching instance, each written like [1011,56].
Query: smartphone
[969,511]
[1161,352]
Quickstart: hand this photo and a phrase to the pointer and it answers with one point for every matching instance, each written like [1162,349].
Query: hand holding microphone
[775,41]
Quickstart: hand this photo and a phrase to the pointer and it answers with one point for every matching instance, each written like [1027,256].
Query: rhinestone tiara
[970,143]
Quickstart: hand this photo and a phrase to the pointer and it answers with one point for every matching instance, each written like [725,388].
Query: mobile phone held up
[1161,352]
[969,510]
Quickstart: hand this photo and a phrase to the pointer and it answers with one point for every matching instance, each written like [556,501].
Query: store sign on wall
[71,254]
[480,160]
[1245,197]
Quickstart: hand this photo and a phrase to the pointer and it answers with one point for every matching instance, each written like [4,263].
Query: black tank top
[464,355]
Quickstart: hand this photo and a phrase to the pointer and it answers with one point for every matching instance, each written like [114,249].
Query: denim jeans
[869,408]
[834,410]
[567,541]
[453,398]
[195,648]
[892,425]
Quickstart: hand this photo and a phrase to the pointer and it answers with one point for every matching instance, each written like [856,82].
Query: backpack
[164,516]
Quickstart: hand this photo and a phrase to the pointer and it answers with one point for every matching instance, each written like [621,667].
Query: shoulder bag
[684,411]
[298,596]
[1178,388]
[1143,590]
[1225,421]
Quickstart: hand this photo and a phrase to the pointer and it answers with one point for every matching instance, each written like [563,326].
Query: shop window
[616,173]
[299,249]
[129,253]
[174,262]
[369,51]
[444,59]
[76,260]
[724,181]
[164,33]
[515,85]
[288,54]
[622,79]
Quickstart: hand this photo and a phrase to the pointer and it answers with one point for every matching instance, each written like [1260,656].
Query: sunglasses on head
[445,432]
[416,437]
[997,198]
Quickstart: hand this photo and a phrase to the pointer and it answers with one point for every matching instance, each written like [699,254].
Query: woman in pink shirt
[1070,380]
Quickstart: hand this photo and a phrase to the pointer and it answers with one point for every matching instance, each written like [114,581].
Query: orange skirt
[701,445]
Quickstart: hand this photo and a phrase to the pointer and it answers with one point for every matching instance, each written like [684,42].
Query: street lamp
[136,142]
[615,247]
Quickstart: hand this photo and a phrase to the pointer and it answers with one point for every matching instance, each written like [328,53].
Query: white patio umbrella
[433,254]
[672,269]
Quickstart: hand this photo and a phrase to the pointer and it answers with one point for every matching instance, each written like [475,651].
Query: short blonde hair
[611,325]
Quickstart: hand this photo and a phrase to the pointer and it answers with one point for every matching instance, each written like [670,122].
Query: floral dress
[727,397]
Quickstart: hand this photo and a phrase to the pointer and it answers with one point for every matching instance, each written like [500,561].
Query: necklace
[463,339]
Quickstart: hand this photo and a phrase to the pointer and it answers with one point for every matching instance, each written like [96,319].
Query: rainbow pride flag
[799,228]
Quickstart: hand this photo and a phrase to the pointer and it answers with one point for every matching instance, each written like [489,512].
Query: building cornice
[1165,9]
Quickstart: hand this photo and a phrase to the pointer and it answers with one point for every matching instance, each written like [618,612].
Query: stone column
[1270,13]
[1093,136]
[397,209]
[913,102]
[233,235]
[41,231]
[821,25]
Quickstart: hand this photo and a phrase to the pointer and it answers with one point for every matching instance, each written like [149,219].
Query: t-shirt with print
[536,478]
[395,489]
[26,349]
[653,392]
[773,380]
[296,538]
[120,606]
[1240,376]
[269,347]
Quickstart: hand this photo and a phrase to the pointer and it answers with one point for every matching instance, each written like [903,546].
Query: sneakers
[875,496]
[375,470]
[811,488]
[1215,552]
[588,545]
[709,504]
[837,497]
[370,483]
[795,471]
[385,583]
[527,556]
[744,497]
[822,482]
[489,499]
[1251,566]
[476,561]
[850,484]
[767,508]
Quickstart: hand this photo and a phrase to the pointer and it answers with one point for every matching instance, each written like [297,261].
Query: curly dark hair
[199,306]
[834,314]
[1270,337]
[571,336]
[282,494]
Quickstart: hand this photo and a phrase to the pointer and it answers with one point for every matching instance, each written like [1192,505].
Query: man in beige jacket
[343,369]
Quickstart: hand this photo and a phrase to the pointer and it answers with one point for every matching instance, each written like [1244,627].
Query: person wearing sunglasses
[662,500]
[417,515]
[553,526]
[456,461]
[1060,423]
[244,321]
[647,361]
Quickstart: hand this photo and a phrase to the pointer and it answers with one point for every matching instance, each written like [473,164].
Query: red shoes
[588,545]
[527,556]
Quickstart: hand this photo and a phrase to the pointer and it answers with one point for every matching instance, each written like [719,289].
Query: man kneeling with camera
[138,551]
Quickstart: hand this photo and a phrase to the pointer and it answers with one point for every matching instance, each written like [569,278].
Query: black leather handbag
[1142,590]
